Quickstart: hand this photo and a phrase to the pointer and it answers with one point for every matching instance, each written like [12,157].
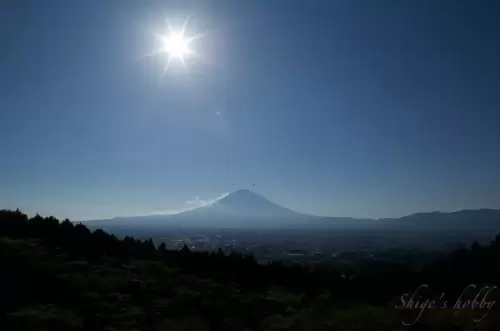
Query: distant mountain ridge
[244,209]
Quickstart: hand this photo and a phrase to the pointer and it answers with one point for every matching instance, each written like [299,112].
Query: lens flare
[175,45]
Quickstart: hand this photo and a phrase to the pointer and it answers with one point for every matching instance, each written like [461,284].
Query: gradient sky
[343,108]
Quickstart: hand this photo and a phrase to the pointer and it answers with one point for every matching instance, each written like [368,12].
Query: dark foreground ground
[61,276]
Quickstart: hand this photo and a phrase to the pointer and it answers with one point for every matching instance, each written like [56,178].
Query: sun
[175,45]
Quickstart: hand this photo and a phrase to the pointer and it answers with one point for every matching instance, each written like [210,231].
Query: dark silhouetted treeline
[61,276]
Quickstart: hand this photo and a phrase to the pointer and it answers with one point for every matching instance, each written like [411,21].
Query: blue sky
[343,108]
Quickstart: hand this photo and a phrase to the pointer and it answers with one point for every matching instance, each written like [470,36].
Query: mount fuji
[240,209]
[243,203]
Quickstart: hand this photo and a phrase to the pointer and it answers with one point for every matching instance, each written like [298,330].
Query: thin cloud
[190,205]
[197,202]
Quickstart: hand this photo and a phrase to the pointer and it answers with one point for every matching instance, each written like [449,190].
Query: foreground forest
[62,276]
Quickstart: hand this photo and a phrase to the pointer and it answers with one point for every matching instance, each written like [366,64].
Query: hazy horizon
[197,202]
[361,109]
